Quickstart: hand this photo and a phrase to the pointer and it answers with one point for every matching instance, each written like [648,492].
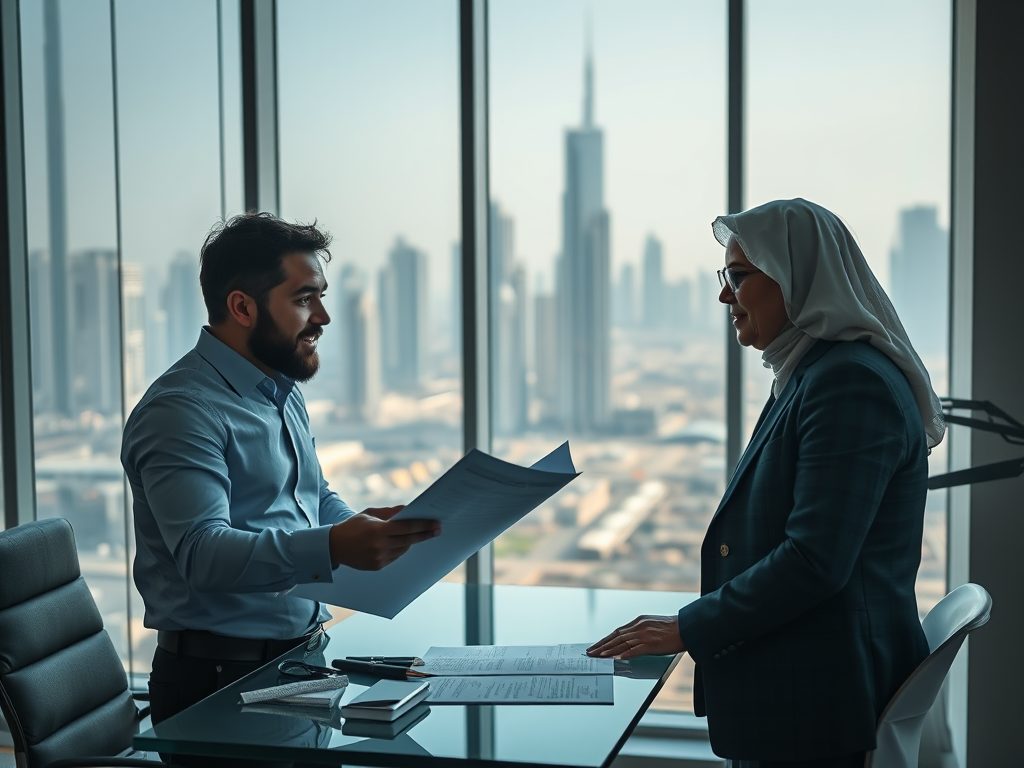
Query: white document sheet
[564,659]
[475,500]
[524,689]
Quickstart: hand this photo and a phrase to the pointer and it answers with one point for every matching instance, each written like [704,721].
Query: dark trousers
[177,682]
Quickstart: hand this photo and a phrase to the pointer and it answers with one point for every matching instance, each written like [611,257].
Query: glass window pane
[369,136]
[607,139]
[74,301]
[170,191]
[854,114]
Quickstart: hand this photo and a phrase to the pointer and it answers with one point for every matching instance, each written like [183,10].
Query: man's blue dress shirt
[231,507]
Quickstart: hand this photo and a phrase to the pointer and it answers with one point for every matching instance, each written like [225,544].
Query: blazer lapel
[757,441]
[767,421]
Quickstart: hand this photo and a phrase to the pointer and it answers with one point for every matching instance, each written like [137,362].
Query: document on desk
[523,689]
[563,659]
[475,500]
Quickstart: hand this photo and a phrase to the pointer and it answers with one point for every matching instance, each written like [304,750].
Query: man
[231,507]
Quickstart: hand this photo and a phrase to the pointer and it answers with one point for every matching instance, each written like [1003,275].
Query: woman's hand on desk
[644,636]
[370,540]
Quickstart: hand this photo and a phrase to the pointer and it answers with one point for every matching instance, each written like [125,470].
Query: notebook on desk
[386,700]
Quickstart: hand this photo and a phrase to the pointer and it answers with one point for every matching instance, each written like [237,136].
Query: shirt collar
[241,375]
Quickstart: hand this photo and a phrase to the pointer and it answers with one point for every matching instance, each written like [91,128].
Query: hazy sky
[848,105]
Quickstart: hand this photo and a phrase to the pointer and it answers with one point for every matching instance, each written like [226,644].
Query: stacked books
[386,700]
[385,729]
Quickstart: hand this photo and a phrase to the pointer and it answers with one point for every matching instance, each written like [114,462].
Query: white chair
[946,626]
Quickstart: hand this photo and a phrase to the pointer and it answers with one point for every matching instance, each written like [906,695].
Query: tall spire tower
[584,275]
[588,79]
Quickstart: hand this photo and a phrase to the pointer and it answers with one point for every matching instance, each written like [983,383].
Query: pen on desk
[378,669]
[400,661]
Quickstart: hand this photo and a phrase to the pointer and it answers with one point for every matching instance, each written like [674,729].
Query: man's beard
[274,350]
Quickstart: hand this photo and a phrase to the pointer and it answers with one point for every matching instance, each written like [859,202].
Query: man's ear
[242,308]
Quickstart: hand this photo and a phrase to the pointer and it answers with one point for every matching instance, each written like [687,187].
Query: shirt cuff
[311,554]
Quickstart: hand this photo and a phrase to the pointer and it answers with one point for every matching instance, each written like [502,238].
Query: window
[607,159]
[127,145]
[71,191]
[369,133]
[175,148]
[854,114]
[607,142]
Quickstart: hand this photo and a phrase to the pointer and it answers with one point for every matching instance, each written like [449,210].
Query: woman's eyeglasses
[304,671]
[733,277]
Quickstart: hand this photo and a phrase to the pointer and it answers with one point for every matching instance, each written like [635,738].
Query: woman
[807,622]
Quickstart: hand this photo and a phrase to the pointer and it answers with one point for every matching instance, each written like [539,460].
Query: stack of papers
[321,693]
[518,674]
[562,659]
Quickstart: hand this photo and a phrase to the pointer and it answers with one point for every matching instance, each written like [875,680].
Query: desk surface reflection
[570,736]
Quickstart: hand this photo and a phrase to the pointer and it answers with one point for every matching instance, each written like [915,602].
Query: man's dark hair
[245,255]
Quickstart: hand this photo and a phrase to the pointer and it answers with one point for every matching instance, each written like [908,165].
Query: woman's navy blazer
[807,622]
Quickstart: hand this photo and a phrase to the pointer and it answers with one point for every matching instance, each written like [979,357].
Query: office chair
[63,690]
[946,626]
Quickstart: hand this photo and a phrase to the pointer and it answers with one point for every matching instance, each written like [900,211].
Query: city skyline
[672,128]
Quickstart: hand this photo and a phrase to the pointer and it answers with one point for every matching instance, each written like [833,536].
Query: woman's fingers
[645,635]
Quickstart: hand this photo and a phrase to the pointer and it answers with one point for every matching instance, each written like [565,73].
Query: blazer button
[717,656]
[724,549]
[732,647]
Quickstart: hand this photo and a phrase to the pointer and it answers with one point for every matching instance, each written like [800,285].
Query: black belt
[199,644]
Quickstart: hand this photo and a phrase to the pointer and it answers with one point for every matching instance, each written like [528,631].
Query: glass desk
[571,736]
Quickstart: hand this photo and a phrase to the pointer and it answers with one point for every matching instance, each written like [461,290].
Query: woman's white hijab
[830,293]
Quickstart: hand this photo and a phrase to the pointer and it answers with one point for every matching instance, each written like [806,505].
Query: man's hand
[644,636]
[370,540]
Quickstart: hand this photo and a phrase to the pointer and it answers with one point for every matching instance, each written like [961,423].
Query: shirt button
[717,657]
[731,647]
[724,550]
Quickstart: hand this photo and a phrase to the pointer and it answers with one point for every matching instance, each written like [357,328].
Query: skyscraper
[41,320]
[96,332]
[134,321]
[360,347]
[508,316]
[583,276]
[654,283]
[402,292]
[624,309]
[545,356]
[183,303]
[919,265]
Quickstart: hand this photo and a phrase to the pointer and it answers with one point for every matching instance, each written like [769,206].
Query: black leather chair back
[63,690]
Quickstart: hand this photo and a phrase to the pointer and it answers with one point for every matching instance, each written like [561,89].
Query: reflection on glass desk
[573,736]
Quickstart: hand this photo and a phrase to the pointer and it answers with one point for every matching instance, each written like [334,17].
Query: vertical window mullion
[476,328]
[259,106]
[475,259]
[16,440]
[734,353]
[119,251]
